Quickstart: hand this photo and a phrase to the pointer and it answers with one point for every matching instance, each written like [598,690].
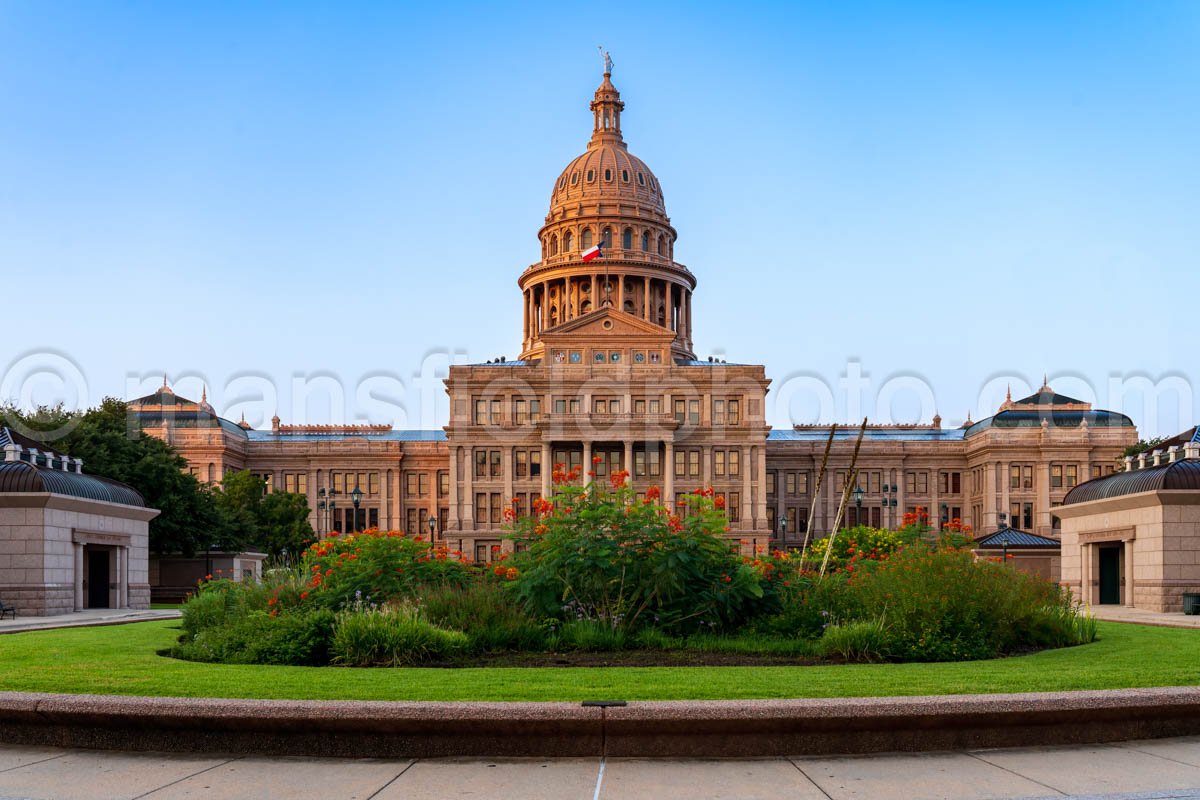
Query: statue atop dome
[606,58]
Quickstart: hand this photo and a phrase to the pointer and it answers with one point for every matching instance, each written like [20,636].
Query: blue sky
[956,195]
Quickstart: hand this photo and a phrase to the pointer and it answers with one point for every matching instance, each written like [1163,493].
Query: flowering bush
[595,553]
[374,566]
[855,545]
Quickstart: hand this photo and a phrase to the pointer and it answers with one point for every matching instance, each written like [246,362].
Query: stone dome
[607,171]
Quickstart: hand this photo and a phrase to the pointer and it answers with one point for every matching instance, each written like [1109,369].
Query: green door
[1110,575]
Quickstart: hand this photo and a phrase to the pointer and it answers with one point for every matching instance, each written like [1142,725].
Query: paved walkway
[80,619]
[1141,616]
[1164,768]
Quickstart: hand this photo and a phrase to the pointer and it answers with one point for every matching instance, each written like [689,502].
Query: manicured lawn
[122,660]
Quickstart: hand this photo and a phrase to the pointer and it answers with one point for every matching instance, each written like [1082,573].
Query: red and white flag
[592,252]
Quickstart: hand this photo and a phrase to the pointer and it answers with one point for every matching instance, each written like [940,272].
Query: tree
[1142,446]
[110,448]
[270,523]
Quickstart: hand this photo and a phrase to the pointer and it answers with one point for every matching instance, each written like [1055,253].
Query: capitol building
[608,376]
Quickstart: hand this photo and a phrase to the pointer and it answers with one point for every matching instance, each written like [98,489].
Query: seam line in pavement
[808,778]
[1018,774]
[1124,746]
[187,777]
[31,763]
[407,767]
[599,780]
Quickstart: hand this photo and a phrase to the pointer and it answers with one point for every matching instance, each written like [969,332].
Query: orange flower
[304,595]
[596,459]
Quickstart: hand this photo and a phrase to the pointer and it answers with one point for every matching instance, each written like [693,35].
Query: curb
[674,729]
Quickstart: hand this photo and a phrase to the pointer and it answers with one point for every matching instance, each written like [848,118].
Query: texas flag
[592,252]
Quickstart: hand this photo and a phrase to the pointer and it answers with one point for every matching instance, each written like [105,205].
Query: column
[1085,573]
[1006,494]
[394,476]
[1129,601]
[1042,524]
[646,299]
[508,474]
[747,467]
[469,489]
[525,328]
[123,586]
[989,521]
[935,513]
[706,465]
[547,469]
[384,507]
[669,476]
[453,523]
[628,464]
[78,548]
[587,454]
[314,514]
[620,293]
[760,505]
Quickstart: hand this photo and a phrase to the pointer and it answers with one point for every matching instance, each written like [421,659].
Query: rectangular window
[735,463]
[422,484]
[873,480]
[1097,471]
[496,415]
[411,515]
[372,517]
[480,411]
[560,405]
[1014,476]
[373,483]
[575,406]
[1027,477]
[494,457]
[639,406]
[520,415]
[495,515]
[443,482]
[521,464]
[719,463]
[694,463]
[1072,475]
[693,412]
[639,463]
[718,412]
[1056,476]
[480,507]
[680,463]
[734,506]
[599,405]
[734,414]
[535,410]
[1027,517]
[535,463]
[680,411]
[481,463]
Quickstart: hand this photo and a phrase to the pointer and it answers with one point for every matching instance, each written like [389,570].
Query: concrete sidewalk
[1115,613]
[83,619]
[1162,768]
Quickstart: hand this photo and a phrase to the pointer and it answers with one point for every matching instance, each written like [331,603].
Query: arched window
[585,239]
[608,174]
[591,175]
[567,241]
[574,178]
[625,175]
[641,179]
[553,316]
[629,309]
[607,237]
[554,244]
[627,239]
[645,241]
[585,307]
[662,245]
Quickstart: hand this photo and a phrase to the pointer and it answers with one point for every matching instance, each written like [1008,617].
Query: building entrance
[1110,575]
[98,578]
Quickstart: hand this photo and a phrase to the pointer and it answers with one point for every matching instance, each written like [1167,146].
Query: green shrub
[375,567]
[218,602]
[596,553]
[654,639]
[490,617]
[865,640]
[943,605]
[300,639]
[809,606]
[392,638]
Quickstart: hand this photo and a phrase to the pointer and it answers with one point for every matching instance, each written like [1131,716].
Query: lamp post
[1004,543]
[858,498]
[432,527]
[331,517]
[355,499]
[945,516]
[783,527]
[887,515]
[321,519]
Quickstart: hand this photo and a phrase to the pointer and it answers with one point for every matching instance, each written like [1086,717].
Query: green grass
[165,606]
[122,660]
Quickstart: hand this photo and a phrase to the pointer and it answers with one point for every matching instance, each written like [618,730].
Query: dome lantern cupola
[607,197]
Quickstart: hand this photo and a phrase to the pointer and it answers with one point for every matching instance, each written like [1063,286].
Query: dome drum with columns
[607,196]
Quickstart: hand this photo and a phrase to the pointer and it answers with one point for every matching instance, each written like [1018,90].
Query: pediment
[608,323]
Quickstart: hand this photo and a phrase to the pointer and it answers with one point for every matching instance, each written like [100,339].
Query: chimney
[1173,454]
[1129,463]
[12,452]
[78,465]
[1191,450]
